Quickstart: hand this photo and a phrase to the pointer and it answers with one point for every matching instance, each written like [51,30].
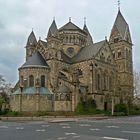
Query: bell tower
[121,46]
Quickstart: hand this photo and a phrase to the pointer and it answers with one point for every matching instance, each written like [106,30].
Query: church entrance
[105,106]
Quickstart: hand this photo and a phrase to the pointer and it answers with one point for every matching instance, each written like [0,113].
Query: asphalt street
[125,128]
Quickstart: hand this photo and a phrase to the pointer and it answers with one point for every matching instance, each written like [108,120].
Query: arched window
[119,54]
[31,81]
[42,81]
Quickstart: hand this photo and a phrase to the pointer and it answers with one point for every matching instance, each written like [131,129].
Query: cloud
[18,17]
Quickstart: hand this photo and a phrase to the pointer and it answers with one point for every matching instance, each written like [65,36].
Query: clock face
[70,50]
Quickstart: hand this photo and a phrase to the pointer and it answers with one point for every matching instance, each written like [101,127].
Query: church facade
[69,67]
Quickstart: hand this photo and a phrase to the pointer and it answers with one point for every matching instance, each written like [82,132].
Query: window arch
[31,81]
[119,54]
[43,81]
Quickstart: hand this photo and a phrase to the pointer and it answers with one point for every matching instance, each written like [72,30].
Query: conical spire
[53,29]
[122,26]
[31,39]
[89,37]
[35,61]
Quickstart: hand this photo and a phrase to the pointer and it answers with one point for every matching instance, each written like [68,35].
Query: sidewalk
[54,118]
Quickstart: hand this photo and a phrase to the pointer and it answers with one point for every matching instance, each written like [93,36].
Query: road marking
[62,138]
[94,129]
[112,126]
[76,136]
[111,138]
[70,133]
[40,130]
[45,125]
[66,127]
[84,124]
[19,128]
[3,126]
[132,132]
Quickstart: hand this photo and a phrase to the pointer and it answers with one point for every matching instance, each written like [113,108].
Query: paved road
[127,128]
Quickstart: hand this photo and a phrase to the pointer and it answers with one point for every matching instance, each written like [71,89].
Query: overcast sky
[18,17]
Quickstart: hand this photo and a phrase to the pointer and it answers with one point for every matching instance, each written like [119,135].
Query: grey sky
[18,17]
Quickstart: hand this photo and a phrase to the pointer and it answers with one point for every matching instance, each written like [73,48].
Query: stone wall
[62,106]
[31,103]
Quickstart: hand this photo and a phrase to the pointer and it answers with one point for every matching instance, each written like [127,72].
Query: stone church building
[69,67]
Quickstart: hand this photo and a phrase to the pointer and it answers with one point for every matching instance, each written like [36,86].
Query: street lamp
[91,69]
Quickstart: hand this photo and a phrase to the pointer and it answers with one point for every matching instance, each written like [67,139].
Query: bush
[87,108]
[121,109]
[12,114]
[134,110]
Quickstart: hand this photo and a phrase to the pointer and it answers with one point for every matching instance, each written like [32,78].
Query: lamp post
[21,90]
[91,69]
[113,93]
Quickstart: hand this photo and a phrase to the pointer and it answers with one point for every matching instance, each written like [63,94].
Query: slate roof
[53,28]
[88,52]
[121,24]
[43,43]
[35,61]
[71,26]
[33,90]
[89,37]
[31,39]
[65,58]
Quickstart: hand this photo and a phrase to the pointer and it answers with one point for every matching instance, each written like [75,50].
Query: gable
[105,54]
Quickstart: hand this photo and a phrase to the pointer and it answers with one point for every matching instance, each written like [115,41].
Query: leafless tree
[137,84]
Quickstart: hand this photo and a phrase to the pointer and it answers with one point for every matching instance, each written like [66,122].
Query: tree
[5,89]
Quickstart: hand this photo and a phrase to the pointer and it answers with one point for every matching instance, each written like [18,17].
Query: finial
[105,37]
[39,38]
[85,20]
[54,18]
[69,19]
[32,29]
[119,3]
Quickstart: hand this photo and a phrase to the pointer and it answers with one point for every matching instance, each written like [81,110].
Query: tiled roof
[35,61]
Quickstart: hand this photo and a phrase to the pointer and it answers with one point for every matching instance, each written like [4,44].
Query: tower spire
[69,19]
[119,4]
[84,20]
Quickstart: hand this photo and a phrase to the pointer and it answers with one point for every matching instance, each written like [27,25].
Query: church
[69,67]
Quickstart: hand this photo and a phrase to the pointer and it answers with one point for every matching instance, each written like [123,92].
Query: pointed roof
[89,37]
[87,53]
[53,28]
[70,26]
[121,24]
[35,61]
[31,39]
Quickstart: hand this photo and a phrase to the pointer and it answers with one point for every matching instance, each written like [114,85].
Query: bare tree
[5,89]
[137,84]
